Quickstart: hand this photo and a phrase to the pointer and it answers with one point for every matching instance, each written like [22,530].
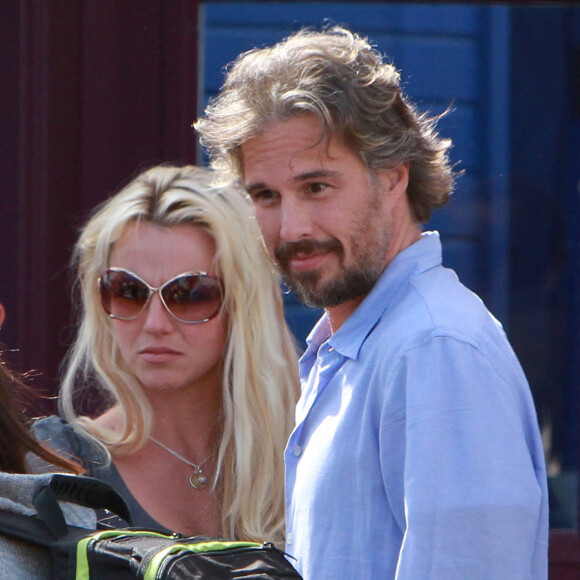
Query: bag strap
[84,491]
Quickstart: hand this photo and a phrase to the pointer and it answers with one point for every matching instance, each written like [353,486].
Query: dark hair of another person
[15,438]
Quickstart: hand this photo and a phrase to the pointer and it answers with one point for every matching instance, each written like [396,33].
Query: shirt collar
[423,255]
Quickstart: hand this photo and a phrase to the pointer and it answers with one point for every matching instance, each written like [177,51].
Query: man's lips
[158,354]
[305,254]
[307,261]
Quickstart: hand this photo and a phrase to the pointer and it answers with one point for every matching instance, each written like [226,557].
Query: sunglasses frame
[159,292]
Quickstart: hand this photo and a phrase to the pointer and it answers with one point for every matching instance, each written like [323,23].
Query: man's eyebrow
[306,176]
[316,174]
[254,186]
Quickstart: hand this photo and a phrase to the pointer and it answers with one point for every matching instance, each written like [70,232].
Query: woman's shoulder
[52,424]
[56,433]
[60,436]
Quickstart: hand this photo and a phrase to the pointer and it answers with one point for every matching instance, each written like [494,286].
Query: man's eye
[317,187]
[263,196]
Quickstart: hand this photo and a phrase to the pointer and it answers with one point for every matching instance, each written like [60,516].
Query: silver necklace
[198,480]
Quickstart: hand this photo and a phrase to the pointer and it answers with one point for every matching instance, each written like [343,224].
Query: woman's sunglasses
[193,297]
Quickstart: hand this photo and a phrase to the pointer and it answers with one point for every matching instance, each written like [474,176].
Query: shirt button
[297,451]
[289,539]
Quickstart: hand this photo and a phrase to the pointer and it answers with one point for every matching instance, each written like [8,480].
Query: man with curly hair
[416,453]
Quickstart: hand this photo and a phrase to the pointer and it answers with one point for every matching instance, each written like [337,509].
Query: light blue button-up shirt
[416,453]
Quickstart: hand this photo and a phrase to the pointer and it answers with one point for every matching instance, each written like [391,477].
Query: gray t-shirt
[19,559]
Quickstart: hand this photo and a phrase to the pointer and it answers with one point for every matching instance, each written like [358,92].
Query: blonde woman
[183,332]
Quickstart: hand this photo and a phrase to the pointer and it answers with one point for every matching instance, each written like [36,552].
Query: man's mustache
[288,250]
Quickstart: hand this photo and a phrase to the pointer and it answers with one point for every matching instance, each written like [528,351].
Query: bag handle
[81,490]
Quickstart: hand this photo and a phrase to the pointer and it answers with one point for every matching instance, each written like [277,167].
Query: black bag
[131,553]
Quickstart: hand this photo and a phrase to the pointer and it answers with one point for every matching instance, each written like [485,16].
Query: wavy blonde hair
[260,382]
[342,80]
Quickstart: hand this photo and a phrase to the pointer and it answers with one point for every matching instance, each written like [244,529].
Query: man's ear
[394,180]
[2,314]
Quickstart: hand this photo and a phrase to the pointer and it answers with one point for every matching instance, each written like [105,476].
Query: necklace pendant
[198,480]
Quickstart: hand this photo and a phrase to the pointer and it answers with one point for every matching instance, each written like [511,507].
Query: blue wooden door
[510,73]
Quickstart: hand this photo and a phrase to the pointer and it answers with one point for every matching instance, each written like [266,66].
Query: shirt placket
[321,374]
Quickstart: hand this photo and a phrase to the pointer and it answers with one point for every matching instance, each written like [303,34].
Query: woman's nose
[157,318]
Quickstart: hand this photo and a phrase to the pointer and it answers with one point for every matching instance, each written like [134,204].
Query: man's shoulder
[448,303]
[436,304]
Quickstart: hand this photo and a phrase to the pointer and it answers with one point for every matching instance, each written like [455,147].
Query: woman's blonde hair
[260,382]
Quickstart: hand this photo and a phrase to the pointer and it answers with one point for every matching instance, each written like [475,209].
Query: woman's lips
[158,354]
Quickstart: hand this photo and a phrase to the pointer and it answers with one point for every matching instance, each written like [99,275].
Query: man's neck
[338,314]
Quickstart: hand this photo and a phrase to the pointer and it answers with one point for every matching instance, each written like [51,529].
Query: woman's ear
[2,314]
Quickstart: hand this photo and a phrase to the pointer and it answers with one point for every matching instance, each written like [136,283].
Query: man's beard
[350,283]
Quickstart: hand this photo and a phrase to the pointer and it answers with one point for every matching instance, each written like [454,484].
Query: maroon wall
[91,92]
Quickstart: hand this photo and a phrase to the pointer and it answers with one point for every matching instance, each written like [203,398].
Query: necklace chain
[198,480]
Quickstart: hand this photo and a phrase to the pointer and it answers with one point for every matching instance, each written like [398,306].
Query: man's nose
[295,220]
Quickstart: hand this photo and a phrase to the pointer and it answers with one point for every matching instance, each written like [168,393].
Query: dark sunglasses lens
[122,295]
[193,298]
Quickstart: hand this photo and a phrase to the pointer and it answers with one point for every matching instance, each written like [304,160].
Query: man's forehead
[298,145]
